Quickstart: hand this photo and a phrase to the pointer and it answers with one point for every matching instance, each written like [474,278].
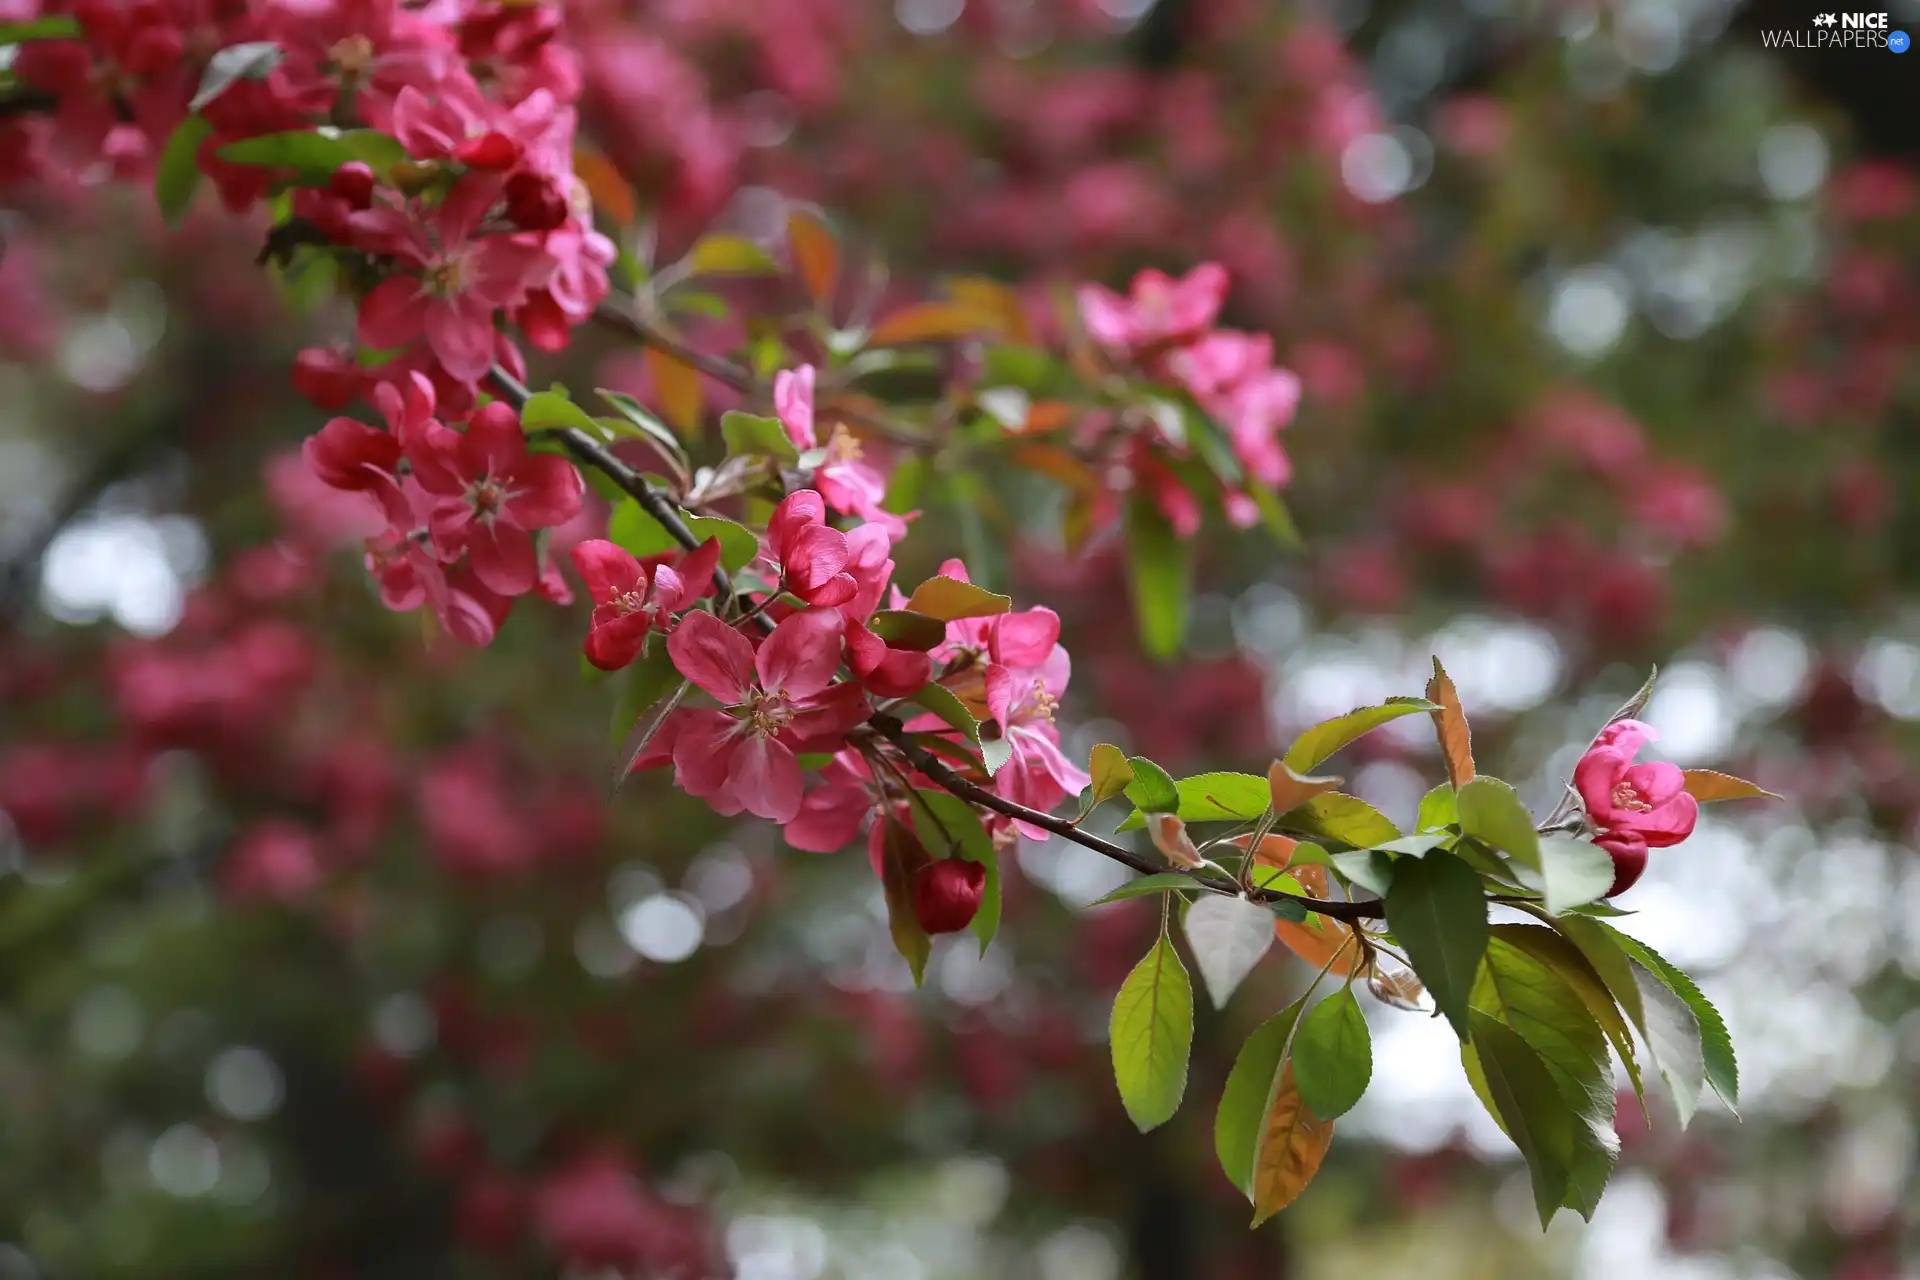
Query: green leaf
[1491,811]
[950,599]
[1242,1113]
[902,857]
[995,752]
[723,255]
[942,701]
[554,408]
[1111,773]
[905,629]
[1719,1065]
[316,153]
[1528,995]
[1205,797]
[1632,707]
[250,61]
[1561,954]
[1151,790]
[1436,909]
[1274,515]
[632,528]
[53,27]
[645,681]
[1152,1036]
[1343,818]
[951,827]
[1333,1056]
[635,420]
[1524,1099]
[1329,736]
[1437,809]
[1147,886]
[177,176]
[1368,868]
[1415,846]
[1573,871]
[738,545]
[750,433]
[1159,576]
[1608,961]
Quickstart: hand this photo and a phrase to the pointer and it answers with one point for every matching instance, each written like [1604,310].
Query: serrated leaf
[640,422]
[1111,773]
[1708,786]
[943,702]
[1437,809]
[1371,870]
[1531,997]
[1490,810]
[1333,1055]
[1573,872]
[1293,1144]
[1151,790]
[816,255]
[750,434]
[932,322]
[1632,707]
[1159,578]
[1239,1123]
[1329,736]
[1395,985]
[950,827]
[177,175]
[902,857]
[250,61]
[905,629]
[632,528]
[316,153]
[950,599]
[1151,1036]
[1321,941]
[1147,886]
[1343,818]
[550,409]
[1522,1096]
[1560,953]
[1436,909]
[1667,1026]
[1450,723]
[995,753]
[1718,1063]
[730,255]
[1227,936]
[650,723]
[1288,790]
[738,544]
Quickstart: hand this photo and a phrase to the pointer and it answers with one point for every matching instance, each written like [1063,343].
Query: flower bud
[947,893]
[535,202]
[328,376]
[353,182]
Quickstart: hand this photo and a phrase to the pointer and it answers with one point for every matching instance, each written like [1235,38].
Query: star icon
[1825,20]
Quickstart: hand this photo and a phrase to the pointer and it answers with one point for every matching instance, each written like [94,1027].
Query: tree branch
[630,481]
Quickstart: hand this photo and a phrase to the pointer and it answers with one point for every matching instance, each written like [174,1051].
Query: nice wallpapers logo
[1840,31]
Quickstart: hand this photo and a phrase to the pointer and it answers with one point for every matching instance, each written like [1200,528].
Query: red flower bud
[947,893]
[353,182]
[535,202]
[493,151]
[328,376]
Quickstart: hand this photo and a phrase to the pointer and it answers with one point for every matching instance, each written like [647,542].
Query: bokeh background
[324,952]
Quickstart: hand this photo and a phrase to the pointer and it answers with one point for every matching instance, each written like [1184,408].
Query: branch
[594,454]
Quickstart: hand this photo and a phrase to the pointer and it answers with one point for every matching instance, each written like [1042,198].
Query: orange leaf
[1290,790]
[677,387]
[1170,838]
[1056,464]
[996,299]
[816,254]
[1293,1142]
[933,322]
[605,183]
[1048,415]
[1317,939]
[1707,785]
[1456,741]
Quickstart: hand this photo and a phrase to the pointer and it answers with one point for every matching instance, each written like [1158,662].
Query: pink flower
[946,894]
[1160,310]
[1632,807]
[847,482]
[810,556]
[1037,774]
[1232,376]
[630,599]
[832,813]
[777,700]
[493,494]
[793,405]
[451,282]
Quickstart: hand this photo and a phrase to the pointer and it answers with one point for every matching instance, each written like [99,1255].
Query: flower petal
[713,656]
[765,778]
[802,654]
[608,569]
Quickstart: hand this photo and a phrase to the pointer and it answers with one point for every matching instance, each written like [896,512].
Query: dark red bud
[946,894]
[353,182]
[330,378]
[492,151]
[535,202]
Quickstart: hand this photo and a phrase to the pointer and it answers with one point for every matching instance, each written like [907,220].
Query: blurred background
[323,951]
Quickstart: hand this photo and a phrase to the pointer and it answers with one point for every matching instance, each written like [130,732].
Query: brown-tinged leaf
[1171,839]
[1708,785]
[1049,415]
[932,322]
[677,387]
[1319,939]
[611,194]
[996,299]
[1397,985]
[1293,1143]
[1290,790]
[1056,463]
[902,857]
[1450,722]
[816,254]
